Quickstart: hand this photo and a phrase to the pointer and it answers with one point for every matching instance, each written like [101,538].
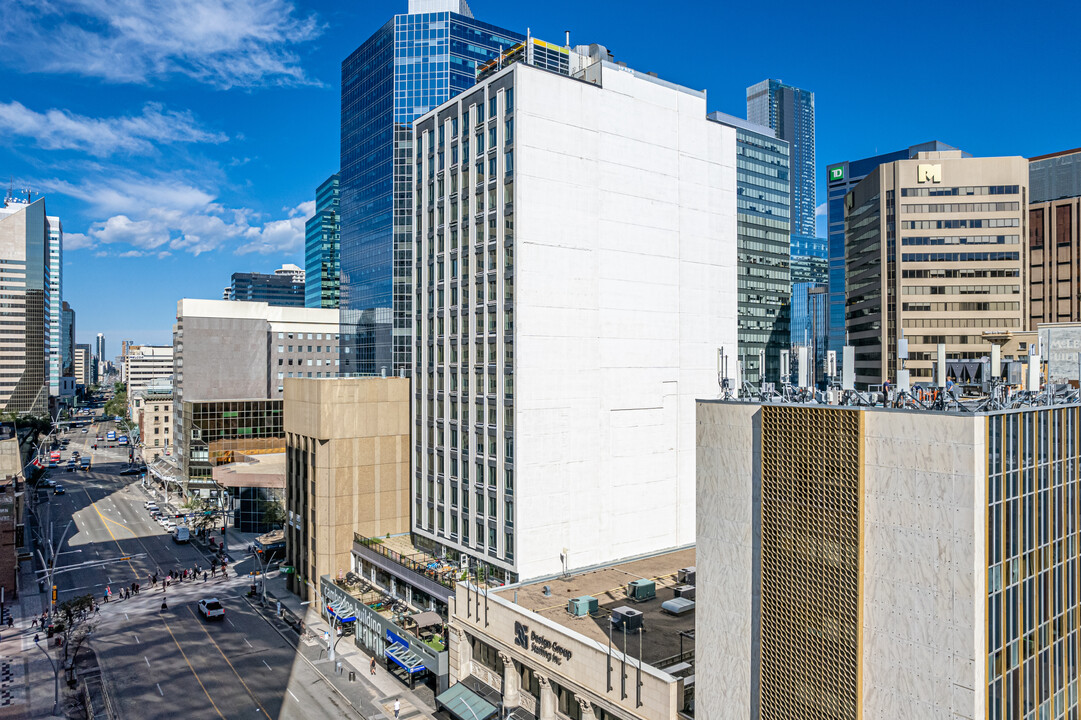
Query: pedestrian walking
[204,575]
[105,596]
[11,622]
[397,708]
[34,623]
[371,666]
[164,605]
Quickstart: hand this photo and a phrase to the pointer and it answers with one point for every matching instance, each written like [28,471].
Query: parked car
[152,507]
[211,609]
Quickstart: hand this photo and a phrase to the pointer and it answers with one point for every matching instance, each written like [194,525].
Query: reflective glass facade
[321,248]
[280,290]
[409,66]
[791,112]
[762,224]
[218,432]
[1033,564]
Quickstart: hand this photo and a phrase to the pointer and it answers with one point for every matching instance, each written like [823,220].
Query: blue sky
[182,140]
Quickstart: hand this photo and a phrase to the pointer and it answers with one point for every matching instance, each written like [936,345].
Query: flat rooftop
[661,639]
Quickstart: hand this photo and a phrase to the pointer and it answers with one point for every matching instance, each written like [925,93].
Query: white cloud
[162,216]
[226,43]
[135,134]
[820,211]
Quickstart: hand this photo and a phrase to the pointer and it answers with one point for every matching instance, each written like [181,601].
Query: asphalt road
[172,663]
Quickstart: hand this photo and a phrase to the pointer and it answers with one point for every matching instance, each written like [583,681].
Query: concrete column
[586,709]
[547,698]
[459,644]
[511,682]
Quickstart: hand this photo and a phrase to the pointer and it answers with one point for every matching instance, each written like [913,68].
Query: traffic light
[222,529]
[54,593]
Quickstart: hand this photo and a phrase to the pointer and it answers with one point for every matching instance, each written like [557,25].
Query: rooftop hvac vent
[582,606]
[641,590]
[685,591]
[686,575]
[625,617]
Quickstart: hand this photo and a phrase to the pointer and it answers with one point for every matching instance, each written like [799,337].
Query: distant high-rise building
[227,293]
[25,236]
[1054,237]
[840,178]
[790,111]
[99,356]
[145,363]
[410,65]
[762,221]
[810,317]
[125,347]
[321,248]
[67,341]
[281,288]
[598,289]
[934,250]
[56,293]
[84,360]
[289,270]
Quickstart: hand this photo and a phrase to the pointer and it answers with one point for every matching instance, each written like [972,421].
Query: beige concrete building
[881,564]
[347,470]
[560,648]
[933,248]
[82,365]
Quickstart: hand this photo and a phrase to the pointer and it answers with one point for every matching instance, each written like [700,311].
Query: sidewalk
[26,677]
[415,704]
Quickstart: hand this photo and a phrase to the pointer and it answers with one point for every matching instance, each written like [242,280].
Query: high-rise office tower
[321,248]
[934,254]
[99,353]
[1054,226]
[410,65]
[885,563]
[282,288]
[790,112]
[25,232]
[67,341]
[84,360]
[575,278]
[840,178]
[762,221]
[56,292]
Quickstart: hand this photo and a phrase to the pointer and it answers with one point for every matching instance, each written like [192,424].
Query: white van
[181,534]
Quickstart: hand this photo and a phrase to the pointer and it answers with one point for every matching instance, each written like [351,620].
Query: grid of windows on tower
[463,487]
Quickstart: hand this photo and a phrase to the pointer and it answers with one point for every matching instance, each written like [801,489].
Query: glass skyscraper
[410,65]
[790,111]
[762,226]
[840,178]
[321,248]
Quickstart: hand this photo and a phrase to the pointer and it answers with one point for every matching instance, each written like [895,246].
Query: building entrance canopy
[464,704]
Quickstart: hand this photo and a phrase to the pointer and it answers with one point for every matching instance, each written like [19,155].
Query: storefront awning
[343,614]
[405,658]
[464,704]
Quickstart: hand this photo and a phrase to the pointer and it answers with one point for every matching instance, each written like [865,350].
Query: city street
[172,662]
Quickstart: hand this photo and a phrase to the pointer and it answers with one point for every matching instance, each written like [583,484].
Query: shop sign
[550,650]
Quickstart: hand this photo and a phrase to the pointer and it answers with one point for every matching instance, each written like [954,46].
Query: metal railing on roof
[442,573]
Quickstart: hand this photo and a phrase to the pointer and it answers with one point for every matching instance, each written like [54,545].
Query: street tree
[273,512]
[77,619]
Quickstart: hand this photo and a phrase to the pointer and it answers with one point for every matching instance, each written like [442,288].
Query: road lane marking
[197,678]
[136,636]
[294,696]
[226,659]
[250,645]
[230,623]
[147,661]
[268,666]
[163,694]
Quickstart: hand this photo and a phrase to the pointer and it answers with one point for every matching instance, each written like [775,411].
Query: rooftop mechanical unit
[641,590]
[677,606]
[625,617]
[582,606]
[686,575]
[685,591]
